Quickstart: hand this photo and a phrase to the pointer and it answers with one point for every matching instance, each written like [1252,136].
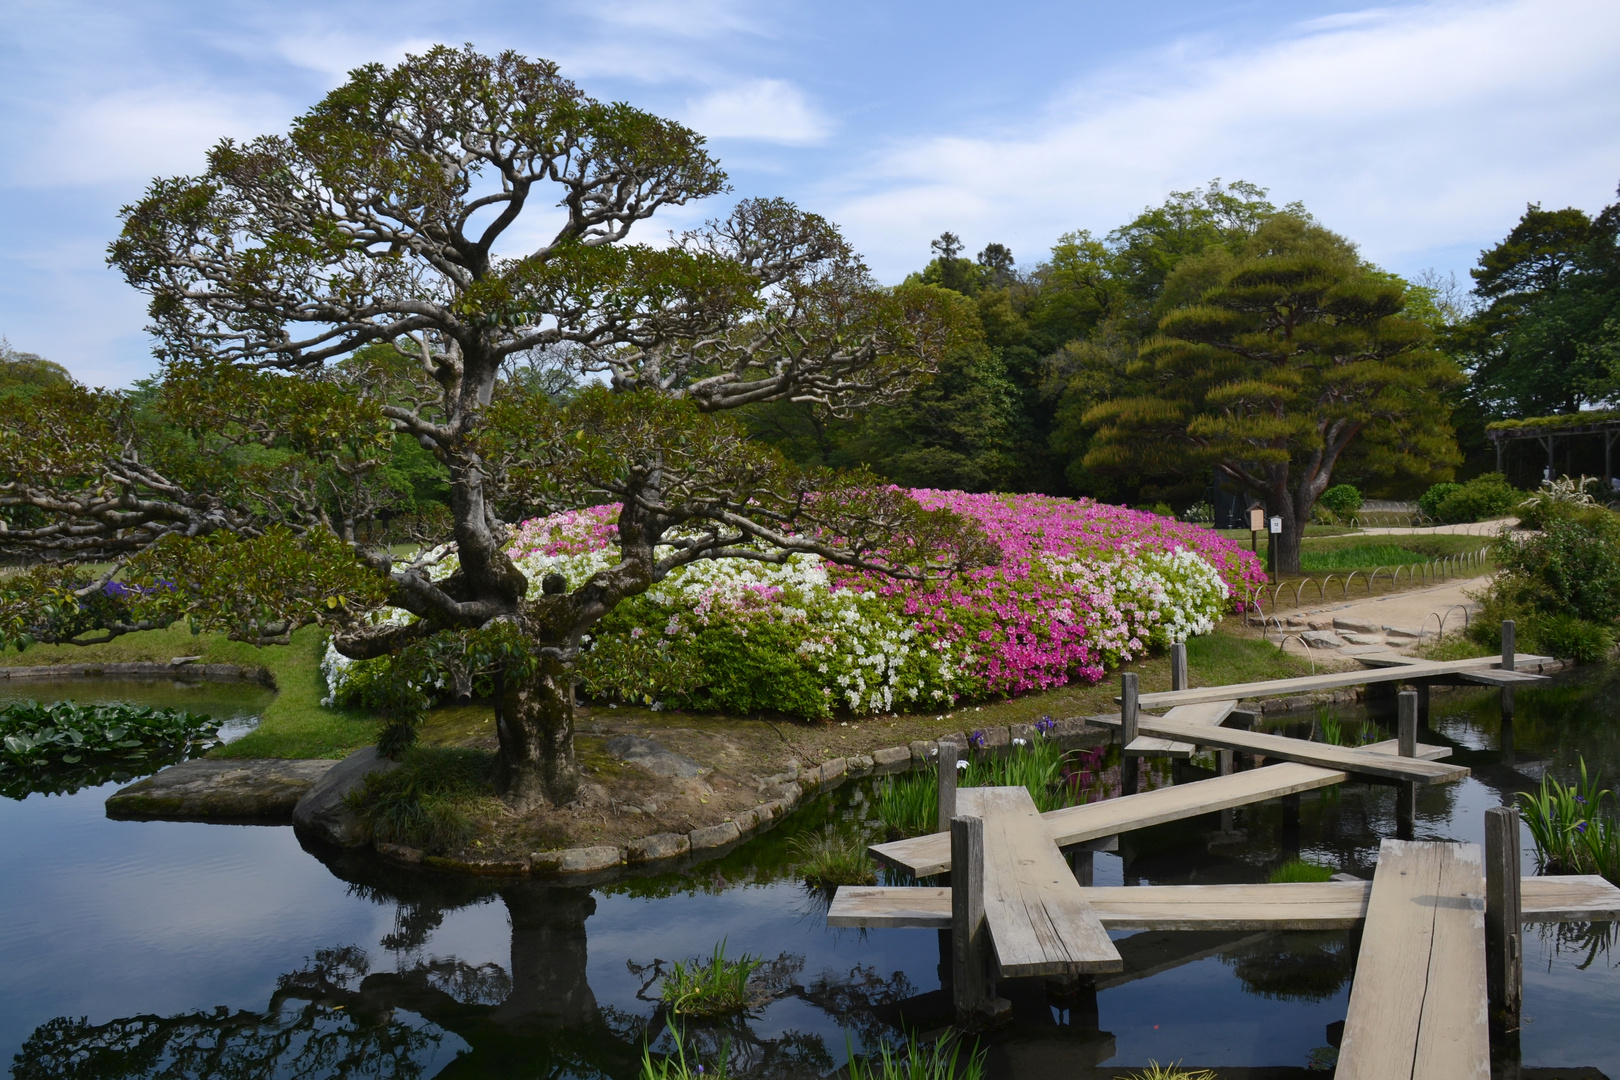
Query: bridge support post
[947,784]
[1504,949]
[1129,710]
[1178,666]
[971,987]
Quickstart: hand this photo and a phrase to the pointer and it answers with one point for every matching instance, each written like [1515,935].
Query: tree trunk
[534,719]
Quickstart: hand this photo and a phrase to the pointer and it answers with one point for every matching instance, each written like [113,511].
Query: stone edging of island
[184,670]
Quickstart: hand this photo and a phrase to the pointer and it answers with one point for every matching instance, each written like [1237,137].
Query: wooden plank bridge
[1440,949]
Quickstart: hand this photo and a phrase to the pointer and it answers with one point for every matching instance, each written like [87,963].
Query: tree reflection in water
[534,1017]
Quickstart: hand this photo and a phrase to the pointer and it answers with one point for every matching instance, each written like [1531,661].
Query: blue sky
[1420,130]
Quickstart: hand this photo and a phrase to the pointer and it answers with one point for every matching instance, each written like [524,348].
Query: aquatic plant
[676,1067]
[1300,870]
[909,805]
[716,988]
[826,860]
[1080,586]
[435,800]
[1155,1071]
[916,1060]
[62,746]
[1574,827]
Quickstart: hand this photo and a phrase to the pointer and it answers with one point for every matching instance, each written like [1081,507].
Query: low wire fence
[1262,600]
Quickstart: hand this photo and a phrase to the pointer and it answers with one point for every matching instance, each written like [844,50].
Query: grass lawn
[295,725]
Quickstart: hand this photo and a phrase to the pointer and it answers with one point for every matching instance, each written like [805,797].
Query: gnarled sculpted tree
[317,293]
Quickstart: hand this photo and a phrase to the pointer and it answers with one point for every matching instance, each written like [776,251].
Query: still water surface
[158,949]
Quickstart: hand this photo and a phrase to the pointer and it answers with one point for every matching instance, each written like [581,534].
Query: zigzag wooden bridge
[1440,950]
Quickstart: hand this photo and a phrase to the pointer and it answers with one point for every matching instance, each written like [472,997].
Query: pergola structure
[1546,430]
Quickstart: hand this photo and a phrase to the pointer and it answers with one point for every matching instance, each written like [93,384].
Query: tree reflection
[1295,966]
[533,1017]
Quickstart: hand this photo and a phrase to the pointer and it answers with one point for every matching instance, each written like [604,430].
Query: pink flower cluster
[1051,611]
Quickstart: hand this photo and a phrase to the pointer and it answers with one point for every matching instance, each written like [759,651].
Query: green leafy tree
[318,294]
[1547,337]
[23,374]
[1282,357]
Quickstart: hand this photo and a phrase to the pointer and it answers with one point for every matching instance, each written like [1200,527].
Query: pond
[147,949]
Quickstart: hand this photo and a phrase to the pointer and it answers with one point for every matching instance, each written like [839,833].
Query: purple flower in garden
[1581,799]
[978,739]
[1580,826]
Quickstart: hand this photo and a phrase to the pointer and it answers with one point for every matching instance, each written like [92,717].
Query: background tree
[317,294]
[23,374]
[1547,335]
[1273,363]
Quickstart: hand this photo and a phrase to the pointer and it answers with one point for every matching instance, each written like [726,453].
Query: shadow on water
[383,971]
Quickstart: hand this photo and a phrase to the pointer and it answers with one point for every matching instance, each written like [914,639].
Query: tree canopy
[321,295]
[1275,359]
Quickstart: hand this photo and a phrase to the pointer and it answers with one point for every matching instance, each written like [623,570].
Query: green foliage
[827,859]
[716,988]
[908,805]
[24,374]
[1575,827]
[1544,341]
[1571,567]
[1431,499]
[435,800]
[1562,498]
[1342,499]
[1224,385]
[1480,499]
[939,1059]
[676,1067]
[1359,556]
[1155,1071]
[1569,637]
[60,747]
[1300,870]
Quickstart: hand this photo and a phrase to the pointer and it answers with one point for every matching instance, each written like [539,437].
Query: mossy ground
[294,725]
[624,801]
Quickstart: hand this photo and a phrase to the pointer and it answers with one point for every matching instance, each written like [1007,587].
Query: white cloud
[130,136]
[767,109]
[1411,131]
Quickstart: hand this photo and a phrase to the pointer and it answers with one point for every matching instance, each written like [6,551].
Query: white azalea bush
[807,639]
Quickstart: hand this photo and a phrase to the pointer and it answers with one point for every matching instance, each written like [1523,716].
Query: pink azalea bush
[1080,587]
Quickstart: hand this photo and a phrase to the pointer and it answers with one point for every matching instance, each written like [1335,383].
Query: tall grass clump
[676,1067]
[435,800]
[826,860]
[1574,826]
[1300,870]
[909,805]
[1155,1071]
[716,988]
[913,1060]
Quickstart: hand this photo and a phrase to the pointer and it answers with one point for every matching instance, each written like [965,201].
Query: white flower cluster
[860,651]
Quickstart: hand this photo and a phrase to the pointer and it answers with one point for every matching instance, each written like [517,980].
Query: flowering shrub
[1080,587]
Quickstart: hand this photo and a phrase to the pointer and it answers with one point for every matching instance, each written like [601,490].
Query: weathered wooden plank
[931,854]
[1454,1038]
[1500,678]
[1306,684]
[1038,917]
[1504,916]
[1324,755]
[1303,906]
[1417,1008]
[1205,714]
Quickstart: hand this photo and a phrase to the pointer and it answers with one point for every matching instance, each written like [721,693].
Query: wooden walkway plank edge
[1306,684]
[931,853]
[1308,905]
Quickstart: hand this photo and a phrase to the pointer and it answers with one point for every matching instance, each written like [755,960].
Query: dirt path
[1397,621]
[1483,529]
